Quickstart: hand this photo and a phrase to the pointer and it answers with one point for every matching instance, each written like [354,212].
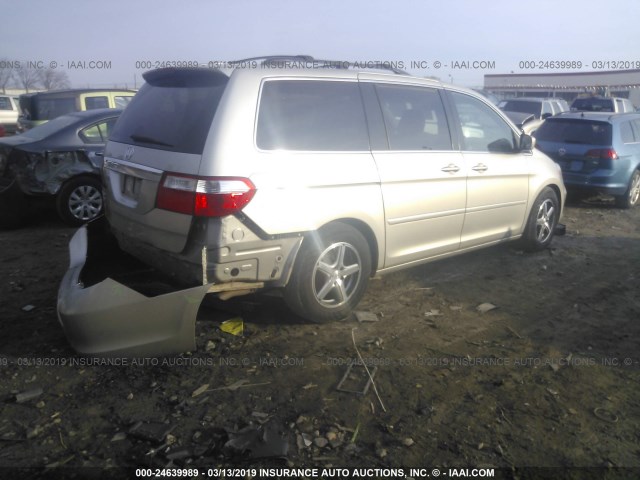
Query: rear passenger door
[423,179]
[498,174]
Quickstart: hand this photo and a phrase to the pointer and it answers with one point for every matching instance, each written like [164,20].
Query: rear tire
[632,195]
[542,221]
[80,200]
[330,274]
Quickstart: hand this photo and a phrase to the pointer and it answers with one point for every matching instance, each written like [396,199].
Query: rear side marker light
[204,196]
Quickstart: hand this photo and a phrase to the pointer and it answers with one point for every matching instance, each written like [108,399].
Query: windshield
[583,132]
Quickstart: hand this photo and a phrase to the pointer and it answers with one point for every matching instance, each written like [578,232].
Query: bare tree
[27,78]
[6,73]
[51,79]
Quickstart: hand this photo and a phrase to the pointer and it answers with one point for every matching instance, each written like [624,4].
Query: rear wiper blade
[144,139]
[577,142]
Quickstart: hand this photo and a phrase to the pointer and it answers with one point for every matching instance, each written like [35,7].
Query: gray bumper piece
[110,319]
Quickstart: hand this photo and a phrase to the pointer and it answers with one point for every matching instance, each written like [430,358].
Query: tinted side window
[635,125]
[311,115]
[91,103]
[483,130]
[414,118]
[5,104]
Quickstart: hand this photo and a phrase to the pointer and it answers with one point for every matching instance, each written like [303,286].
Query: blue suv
[596,151]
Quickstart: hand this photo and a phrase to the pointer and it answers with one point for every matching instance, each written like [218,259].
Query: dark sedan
[62,158]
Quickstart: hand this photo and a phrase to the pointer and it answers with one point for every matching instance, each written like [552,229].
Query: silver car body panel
[413,207]
[111,319]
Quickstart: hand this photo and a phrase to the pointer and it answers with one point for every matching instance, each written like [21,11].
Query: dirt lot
[549,378]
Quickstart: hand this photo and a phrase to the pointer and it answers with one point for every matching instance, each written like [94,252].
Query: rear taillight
[602,153]
[204,196]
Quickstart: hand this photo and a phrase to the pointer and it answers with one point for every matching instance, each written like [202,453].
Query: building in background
[618,83]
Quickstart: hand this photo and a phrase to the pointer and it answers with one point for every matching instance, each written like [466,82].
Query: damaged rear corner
[102,316]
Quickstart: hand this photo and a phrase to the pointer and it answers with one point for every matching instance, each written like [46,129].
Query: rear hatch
[579,146]
[163,131]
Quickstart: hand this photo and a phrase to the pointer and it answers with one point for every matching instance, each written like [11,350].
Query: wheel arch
[367,233]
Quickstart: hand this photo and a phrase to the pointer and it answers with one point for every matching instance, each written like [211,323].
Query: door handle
[451,168]
[481,167]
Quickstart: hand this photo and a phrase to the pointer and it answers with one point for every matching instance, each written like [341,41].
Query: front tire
[632,195]
[330,275]
[80,200]
[542,221]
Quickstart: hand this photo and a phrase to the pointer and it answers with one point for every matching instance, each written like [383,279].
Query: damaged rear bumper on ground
[109,318]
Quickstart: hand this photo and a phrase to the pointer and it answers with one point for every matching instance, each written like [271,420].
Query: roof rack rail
[320,63]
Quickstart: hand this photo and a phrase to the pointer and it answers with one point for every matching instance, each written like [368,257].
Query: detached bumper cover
[111,319]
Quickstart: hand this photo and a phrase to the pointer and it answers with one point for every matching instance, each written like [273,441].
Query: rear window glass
[174,112]
[311,115]
[522,107]
[568,130]
[592,105]
[43,108]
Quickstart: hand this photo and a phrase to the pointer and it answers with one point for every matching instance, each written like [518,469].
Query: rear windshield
[592,105]
[46,107]
[173,111]
[522,107]
[569,130]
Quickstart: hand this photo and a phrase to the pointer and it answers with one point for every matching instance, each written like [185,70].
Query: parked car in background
[524,121]
[306,181]
[541,108]
[596,151]
[9,112]
[40,107]
[602,104]
[62,158]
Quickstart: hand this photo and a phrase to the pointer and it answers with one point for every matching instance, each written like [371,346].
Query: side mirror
[527,142]
[546,115]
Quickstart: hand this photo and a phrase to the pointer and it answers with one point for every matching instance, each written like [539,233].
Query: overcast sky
[117,34]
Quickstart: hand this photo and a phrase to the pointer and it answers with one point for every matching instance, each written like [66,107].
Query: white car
[9,112]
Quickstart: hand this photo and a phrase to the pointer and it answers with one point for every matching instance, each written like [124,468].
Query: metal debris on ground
[260,441]
[485,307]
[28,395]
[366,317]
[152,431]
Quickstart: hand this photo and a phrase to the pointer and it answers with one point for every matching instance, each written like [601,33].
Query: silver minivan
[310,179]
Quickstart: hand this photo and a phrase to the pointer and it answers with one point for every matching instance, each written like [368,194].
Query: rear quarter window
[312,115]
